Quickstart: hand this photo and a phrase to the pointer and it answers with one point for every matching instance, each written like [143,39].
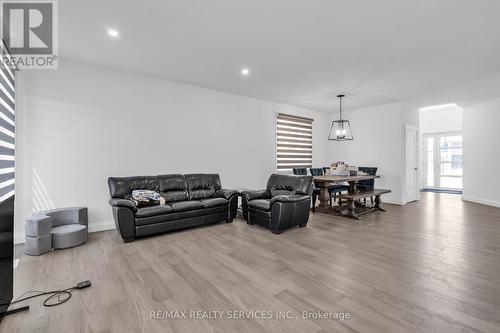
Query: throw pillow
[143,198]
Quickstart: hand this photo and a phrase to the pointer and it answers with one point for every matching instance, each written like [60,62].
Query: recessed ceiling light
[245,71]
[113,33]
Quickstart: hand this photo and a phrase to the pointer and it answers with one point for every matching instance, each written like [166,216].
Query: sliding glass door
[442,161]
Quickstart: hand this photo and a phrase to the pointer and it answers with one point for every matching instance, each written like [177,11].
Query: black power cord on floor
[56,297]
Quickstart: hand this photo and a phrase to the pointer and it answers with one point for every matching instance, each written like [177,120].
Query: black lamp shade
[340,131]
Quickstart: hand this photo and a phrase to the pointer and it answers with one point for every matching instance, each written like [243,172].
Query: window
[293,143]
[7,125]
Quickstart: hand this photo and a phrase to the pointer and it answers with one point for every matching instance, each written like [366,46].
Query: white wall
[378,141]
[481,135]
[80,124]
[441,120]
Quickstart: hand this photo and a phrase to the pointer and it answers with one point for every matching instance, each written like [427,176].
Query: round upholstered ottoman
[56,229]
[69,235]
[38,239]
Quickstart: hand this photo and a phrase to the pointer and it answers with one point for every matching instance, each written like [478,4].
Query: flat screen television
[7,175]
[6,253]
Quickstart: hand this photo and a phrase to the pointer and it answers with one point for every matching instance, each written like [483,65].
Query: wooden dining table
[349,205]
[323,181]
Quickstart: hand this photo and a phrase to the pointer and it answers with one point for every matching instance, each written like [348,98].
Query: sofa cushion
[182,206]
[153,210]
[262,204]
[179,215]
[202,186]
[69,235]
[173,188]
[214,202]
[122,187]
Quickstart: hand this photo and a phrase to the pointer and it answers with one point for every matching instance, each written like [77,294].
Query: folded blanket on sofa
[145,198]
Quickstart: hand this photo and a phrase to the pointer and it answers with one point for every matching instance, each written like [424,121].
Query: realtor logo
[30,30]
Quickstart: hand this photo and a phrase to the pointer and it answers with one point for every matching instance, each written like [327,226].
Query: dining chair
[333,190]
[303,172]
[316,172]
[300,171]
[368,184]
[336,188]
[316,191]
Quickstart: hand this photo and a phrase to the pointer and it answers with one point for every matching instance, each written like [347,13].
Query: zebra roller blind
[293,142]
[7,125]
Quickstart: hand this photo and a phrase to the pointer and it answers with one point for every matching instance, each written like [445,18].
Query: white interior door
[411,163]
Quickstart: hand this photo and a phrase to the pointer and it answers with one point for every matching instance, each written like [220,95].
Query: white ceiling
[301,52]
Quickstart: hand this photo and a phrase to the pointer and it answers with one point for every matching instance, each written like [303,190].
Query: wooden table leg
[351,204]
[377,203]
[324,196]
[351,210]
[352,187]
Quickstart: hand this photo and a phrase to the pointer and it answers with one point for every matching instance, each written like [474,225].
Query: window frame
[306,122]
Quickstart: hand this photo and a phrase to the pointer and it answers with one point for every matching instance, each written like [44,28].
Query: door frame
[417,153]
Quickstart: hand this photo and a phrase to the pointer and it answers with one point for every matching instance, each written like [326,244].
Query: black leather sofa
[190,200]
[284,203]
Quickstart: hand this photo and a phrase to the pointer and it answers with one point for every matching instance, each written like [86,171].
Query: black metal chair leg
[314,204]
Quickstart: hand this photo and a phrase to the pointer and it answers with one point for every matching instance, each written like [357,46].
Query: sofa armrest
[259,194]
[247,196]
[288,211]
[124,222]
[289,198]
[117,202]
[226,194]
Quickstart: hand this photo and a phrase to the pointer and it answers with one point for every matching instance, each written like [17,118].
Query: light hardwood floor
[430,266]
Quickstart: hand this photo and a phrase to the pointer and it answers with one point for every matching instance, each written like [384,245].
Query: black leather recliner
[190,200]
[284,203]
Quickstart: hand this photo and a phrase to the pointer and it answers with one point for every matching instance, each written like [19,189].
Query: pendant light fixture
[340,129]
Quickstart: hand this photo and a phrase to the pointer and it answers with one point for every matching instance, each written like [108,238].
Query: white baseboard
[481,201]
[93,227]
[393,202]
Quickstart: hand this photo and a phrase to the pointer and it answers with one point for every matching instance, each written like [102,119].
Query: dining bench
[354,211]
